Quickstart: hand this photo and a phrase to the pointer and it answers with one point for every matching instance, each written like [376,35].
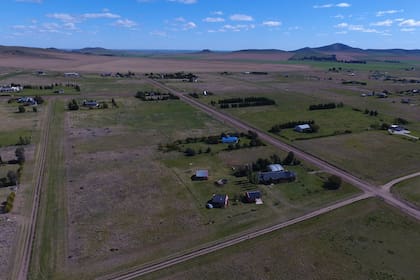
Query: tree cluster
[73,105]
[8,205]
[371,112]
[333,183]
[176,75]
[354,83]
[325,106]
[245,102]
[154,96]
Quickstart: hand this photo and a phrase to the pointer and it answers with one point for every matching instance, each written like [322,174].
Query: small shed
[252,196]
[201,175]
[220,200]
[303,128]
[230,139]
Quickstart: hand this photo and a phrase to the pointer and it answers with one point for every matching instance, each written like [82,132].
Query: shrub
[333,183]
[21,109]
[73,106]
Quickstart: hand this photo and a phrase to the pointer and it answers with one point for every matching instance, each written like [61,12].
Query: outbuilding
[200,175]
[252,196]
[220,200]
[303,128]
[230,139]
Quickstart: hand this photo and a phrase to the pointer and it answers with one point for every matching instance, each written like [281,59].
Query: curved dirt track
[387,187]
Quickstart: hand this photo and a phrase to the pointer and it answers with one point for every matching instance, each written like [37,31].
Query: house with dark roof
[272,177]
[220,200]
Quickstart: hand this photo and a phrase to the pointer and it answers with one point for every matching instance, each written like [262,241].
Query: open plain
[117,191]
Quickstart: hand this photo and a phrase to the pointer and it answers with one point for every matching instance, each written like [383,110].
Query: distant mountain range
[339,52]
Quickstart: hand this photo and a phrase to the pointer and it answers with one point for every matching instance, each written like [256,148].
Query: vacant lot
[409,190]
[367,240]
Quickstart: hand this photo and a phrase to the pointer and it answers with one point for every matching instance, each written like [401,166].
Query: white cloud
[100,15]
[339,16]
[342,25]
[323,6]
[388,12]
[408,29]
[410,23]
[241,17]
[214,19]
[237,27]
[184,1]
[190,25]
[217,13]
[125,23]
[343,5]
[359,28]
[339,5]
[271,23]
[387,22]
[63,17]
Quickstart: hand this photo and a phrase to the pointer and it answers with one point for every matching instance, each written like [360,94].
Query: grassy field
[409,190]
[367,240]
[129,203]
[375,156]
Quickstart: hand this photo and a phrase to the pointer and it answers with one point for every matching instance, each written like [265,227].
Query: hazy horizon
[204,24]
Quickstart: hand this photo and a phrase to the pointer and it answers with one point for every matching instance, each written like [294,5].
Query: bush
[21,109]
[189,152]
[73,106]
[333,183]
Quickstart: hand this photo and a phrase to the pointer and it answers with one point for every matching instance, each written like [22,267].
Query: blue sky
[210,24]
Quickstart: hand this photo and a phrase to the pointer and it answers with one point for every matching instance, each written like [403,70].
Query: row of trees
[244,102]
[325,106]
[152,96]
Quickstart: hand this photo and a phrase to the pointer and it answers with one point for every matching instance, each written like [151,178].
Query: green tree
[20,155]
[12,176]
[333,183]
[21,109]
[289,158]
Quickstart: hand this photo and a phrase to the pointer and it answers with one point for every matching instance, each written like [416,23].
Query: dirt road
[387,187]
[173,260]
[23,256]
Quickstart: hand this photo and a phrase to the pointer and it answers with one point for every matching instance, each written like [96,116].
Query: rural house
[272,177]
[303,128]
[220,200]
